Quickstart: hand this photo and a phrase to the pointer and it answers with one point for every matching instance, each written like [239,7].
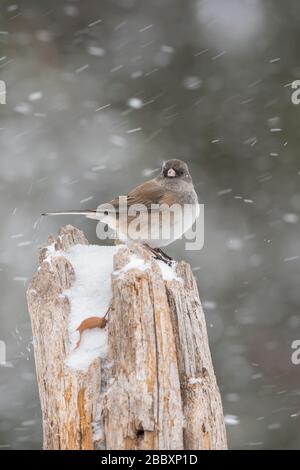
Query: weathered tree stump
[156,389]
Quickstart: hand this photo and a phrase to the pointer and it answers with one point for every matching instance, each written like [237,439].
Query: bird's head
[175,169]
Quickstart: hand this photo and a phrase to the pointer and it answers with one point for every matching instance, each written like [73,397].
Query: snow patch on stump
[168,272]
[89,296]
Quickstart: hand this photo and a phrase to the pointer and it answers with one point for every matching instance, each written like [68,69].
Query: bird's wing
[147,194]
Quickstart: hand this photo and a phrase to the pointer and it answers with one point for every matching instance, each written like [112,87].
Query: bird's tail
[89,213]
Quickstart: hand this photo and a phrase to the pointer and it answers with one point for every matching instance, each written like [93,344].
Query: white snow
[135,103]
[145,28]
[44,35]
[23,108]
[94,23]
[25,243]
[35,96]
[71,10]
[234,244]
[136,74]
[167,49]
[100,109]
[118,140]
[86,199]
[96,51]
[209,304]
[132,131]
[231,420]
[134,263]
[192,82]
[12,8]
[148,172]
[224,191]
[50,250]
[195,380]
[274,426]
[81,69]
[6,364]
[290,218]
[168,272]
[89,296]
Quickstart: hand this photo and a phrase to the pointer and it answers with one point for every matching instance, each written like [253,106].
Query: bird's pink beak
[171,173]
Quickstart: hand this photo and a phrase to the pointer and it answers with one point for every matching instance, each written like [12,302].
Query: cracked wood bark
[161,392]
[69,399]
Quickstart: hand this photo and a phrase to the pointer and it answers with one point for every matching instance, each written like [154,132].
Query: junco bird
[155,213]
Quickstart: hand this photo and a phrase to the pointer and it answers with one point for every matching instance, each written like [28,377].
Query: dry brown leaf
[88,323]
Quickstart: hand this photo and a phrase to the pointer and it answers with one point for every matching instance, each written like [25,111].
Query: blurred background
[99,93]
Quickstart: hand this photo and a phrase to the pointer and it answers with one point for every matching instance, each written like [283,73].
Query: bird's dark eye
[181,172]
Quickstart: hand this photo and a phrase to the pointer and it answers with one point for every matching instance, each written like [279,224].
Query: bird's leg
[164,257]
[153,251]
[158,254]
[162,253]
